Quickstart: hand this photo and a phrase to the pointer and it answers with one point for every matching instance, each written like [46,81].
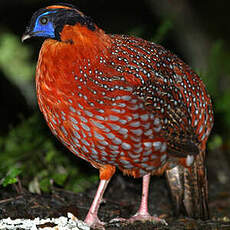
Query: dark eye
[44,20]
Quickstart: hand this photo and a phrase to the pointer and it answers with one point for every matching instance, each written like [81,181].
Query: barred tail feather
[189,189]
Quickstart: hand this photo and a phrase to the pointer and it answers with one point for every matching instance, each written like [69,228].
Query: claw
[95,223]
[140,217]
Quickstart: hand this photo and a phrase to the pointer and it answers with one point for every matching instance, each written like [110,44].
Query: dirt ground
[122,199]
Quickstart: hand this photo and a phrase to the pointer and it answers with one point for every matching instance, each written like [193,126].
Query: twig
[10,199]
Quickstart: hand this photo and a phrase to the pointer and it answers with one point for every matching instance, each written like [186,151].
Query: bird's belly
[130,141]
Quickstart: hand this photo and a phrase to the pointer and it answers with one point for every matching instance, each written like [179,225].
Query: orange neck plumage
[77,44]
[88,43]
[60,61]
[80,41]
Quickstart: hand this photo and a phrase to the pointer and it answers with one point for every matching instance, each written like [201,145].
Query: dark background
[197,31]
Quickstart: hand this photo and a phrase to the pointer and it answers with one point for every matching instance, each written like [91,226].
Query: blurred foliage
[159,34]
[11,177]
[15,59]
[162,30]
[29,152]
[215,143]
[219,74]
[217,80]
[16,63]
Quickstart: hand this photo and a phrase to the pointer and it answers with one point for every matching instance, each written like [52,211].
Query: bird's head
[49,22]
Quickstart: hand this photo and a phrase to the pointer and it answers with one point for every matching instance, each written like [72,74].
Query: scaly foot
[146,217]
[93,222]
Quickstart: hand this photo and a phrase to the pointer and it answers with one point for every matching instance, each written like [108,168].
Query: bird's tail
[189,188]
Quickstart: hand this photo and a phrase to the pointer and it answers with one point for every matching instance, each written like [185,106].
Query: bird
[118,101]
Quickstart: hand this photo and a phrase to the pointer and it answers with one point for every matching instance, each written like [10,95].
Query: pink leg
[143,209]
[142,213]
[92,219]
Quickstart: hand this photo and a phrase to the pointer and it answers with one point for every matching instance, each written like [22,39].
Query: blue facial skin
[46,30]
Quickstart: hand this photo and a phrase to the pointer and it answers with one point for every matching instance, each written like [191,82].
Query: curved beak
[26,36]
[29,34]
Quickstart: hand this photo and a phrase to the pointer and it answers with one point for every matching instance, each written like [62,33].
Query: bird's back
[170,88]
